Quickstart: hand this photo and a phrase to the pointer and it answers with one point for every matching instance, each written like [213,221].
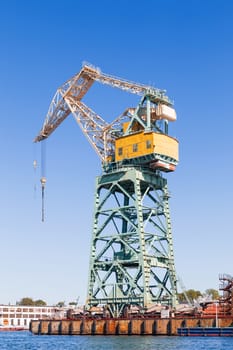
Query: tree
[213,293]
[30,302]
[73,303]
[61,304]
[40,302]
[26,302]
[182,298]
[191,294]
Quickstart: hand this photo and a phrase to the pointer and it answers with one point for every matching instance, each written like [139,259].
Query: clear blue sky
[185,47]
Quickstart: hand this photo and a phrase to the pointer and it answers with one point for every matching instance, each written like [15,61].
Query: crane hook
[43,182]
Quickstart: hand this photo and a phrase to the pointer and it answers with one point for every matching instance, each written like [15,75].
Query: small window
[148,144]
[135,147]
[120,151]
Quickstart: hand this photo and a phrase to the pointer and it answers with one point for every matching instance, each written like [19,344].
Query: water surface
[28,341]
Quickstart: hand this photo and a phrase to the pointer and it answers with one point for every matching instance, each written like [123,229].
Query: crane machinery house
[149,146]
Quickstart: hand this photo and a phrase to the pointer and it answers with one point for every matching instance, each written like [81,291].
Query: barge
[206,332]
[127,326]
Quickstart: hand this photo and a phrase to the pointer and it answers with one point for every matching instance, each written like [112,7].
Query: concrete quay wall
[135,326]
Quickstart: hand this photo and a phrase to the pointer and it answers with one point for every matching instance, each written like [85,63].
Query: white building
[20,316]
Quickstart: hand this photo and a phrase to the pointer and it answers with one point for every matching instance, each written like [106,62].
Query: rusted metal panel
[65,327]
[44,327]
[136,327]
[123,327]
[148,326]
[163,326]
[193,322]
[54,327]
[175,324]
[207,322]
[99,327]
[35,326]
[87,327]
[111,327]
[75,328]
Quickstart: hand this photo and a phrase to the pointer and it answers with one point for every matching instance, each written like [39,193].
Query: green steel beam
[132,259]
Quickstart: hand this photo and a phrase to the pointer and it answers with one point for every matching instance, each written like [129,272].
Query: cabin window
[12,322]
[135,147]
[25,322]
[120,151]
[148,144]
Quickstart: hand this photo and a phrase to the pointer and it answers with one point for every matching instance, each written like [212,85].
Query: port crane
[132,259]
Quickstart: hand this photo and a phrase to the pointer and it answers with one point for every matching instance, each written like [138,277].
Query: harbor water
[28,341]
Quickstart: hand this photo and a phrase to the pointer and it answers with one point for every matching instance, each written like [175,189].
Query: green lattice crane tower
[131,258]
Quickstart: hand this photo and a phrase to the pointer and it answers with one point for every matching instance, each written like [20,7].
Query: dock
[171,326]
